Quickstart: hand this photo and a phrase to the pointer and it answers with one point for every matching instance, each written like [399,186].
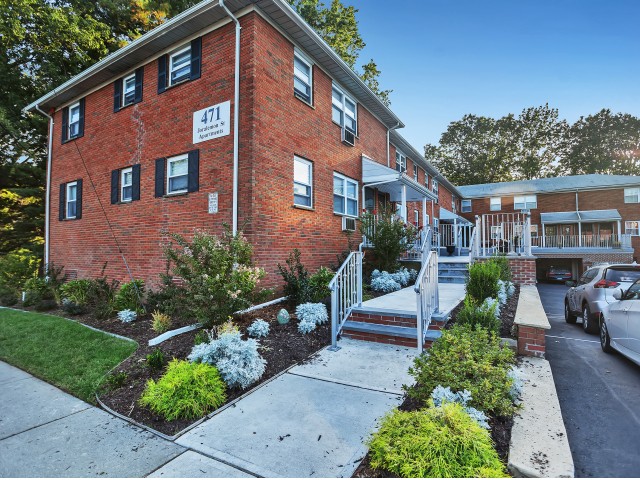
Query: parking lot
[598,395]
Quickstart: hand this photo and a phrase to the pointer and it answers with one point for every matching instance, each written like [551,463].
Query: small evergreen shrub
[467,358]
[483,315]
[283,317]
[502,263]
[72,308]
[226,327]
[383,282]
[312,313]
[170,298]
[127,316]
[39,294]
[306,327]
[237,360]
[115,380]
[297,286]
[161,322]
[259,328]
[442,395]
[319,284]
[76,291]
[101,297]
[201,337]
[155,360]
[483,281]
[16,267]
[436,442]
[186,390]
[8,296]
[130,297]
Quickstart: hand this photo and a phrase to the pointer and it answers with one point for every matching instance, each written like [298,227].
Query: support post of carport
[404,203]
[579,234]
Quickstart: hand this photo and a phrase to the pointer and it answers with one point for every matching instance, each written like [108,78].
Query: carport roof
[580,216]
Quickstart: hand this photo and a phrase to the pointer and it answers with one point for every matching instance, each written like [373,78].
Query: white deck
[404,301]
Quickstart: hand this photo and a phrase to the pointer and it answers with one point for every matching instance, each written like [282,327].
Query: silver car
[594,292]
[620,324]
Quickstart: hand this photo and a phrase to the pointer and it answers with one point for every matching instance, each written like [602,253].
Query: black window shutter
[194,170]
[79,199]
[162,74]
[135,187]
[81,126]
[196,58]
[117,95]
[63,204]
[115,186]
[139,76]
[160,179]
[65,124]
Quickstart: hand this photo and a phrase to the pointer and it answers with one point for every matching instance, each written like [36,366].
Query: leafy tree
[605,143]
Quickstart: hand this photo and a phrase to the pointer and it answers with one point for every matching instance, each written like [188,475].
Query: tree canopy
[536,144]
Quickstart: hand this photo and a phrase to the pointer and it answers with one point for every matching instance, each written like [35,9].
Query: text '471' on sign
[212,122]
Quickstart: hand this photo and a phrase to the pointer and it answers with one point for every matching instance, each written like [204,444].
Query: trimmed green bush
[39,294]
[467,358]
[483,281]
[76,291]
[503,263]
[482,315]
[186,390]
[437,442]
[130,297]
[319,285]
[296,278]
[16,268]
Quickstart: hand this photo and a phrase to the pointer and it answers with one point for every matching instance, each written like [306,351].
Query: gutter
[236,118]
[47,204]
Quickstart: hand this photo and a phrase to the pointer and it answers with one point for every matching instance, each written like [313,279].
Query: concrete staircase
[452,272]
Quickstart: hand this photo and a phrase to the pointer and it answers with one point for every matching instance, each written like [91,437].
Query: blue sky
[446,58]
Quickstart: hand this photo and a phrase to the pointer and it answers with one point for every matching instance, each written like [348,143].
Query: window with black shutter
[184,63]
[70,202]
[125,184]
[73,121]
[178,174]
[128,90]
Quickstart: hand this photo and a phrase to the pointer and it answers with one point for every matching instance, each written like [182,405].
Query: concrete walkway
[404,301]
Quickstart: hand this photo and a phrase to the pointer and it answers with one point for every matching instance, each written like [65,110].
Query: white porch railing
[428,301]
[346,292]
[454,235]
[582,241]
[508,233]
[417,252]
[473,243]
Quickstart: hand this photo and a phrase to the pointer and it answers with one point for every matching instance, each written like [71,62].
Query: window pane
[338,186]
[336,98]
[349,108]
[178,167]
[336,115]
[178,183]
[302,88]
[127,178]
[302,172]
[126,193]
[338,204]
[352,207]
[129,90]
[71,192]
[71,209]
[180,66]
[301,70]
[352,190]
[74,114]
[350,123]
[303,190]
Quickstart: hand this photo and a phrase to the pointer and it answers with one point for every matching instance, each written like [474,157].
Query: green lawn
[61,352]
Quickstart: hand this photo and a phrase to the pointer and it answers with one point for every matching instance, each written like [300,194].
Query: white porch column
[404,203]
[543,237]
[424,212]
[580,234]
[619,227]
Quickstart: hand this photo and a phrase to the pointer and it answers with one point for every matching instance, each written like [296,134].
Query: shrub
[217,274]
[517,385]
[319,284]
[16,268]
[101,297]
[306,327]
[389,235]
[483,315]
[503,264]
[442,395]
[237,360]
[76,291]
[312,313]
[437,442]
[402,276]
[492,305]
[116,380]
[186,390]
[155,360]
[8,296]
[201,337]
[297,286]
[161,322]
[259,328]
[130,297]
[170,298]
[72,308]
[383,282]
[39,294]
[283,317]
[483,281]
[467,358]
[127,316]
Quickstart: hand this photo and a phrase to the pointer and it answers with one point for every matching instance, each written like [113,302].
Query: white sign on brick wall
[212,122]
[213,202]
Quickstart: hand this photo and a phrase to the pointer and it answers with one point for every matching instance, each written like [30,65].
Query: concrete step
[451,279]
[454,270]
[391,334]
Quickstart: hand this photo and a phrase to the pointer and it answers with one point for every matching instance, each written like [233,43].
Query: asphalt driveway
[598,395]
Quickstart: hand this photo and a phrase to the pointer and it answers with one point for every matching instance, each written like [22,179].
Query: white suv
[594,291]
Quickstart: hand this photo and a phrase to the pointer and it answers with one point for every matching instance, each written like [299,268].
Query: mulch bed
[282,348]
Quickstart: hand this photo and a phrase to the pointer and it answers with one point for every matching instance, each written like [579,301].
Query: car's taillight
[605,284]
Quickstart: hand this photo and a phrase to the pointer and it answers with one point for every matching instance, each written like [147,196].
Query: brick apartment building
[575,220]
[176,132]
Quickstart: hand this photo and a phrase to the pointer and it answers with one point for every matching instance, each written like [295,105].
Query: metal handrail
[472,244]
[427,296]
[346,292]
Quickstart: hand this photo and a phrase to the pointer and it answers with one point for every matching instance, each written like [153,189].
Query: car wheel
[568,316]
[605,341]
[588,325]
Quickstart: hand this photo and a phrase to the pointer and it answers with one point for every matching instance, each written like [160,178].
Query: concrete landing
[404,301]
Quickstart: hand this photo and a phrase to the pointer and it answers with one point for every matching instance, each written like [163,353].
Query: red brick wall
[523,270]
[531,341]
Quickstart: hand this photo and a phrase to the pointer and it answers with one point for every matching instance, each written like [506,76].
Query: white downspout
[236,118]
[47,201]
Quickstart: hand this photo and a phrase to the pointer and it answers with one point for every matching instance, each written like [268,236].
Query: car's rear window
[559,270]
[623,274]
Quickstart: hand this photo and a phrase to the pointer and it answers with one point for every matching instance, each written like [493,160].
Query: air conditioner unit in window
[348,224]
[348,137]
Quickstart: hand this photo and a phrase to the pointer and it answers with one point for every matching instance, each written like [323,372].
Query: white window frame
[465,206]
[297,55]
[526,202]
[426,180]
[169,162]
[434,186]
[632,231]
[401,161]
[174,54]
[630,194]
[345,196]
[342,108]
[534,230]
[416,217]
[416,172]
[453,203]
[496,232]
[123,185]
[310,184]
[67,202]
[436,224]
[123,100]
[70,123]
[495,204]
